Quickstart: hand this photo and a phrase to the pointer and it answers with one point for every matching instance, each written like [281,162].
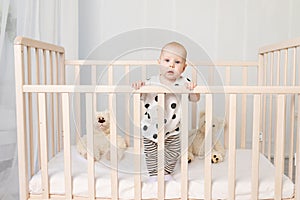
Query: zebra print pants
[172,153]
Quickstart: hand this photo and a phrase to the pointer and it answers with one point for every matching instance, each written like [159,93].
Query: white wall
[231,29]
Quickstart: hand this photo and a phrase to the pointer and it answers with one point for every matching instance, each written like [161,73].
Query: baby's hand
[137,85]
[190,85]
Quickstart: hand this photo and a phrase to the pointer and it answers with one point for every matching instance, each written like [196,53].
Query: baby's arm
[195,96]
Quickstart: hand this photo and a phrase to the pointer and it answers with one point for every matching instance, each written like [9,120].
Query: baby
[172,62]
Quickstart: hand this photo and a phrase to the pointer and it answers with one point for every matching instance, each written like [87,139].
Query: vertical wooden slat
[90,145]
[21,127]
[280,140]
[127,108]
[264,105]
[232,146]
[297,158]
[194,104]
[137,147]
[57,103]
[184,146]
[270,116]
[113,147]
[52,103]
[255,147]
[38,81]
[292,117]
[67,145]
[226,131]
[208,147]
[261,80]
[44,144]
[77,106]
[94,82]
[30,118]
[62,80]
[278,68]
[44,67]
[161,147]
[244,110]
[260,69]
[113,138]
[285,66]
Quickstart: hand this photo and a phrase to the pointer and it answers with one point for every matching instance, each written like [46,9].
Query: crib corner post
[21,130]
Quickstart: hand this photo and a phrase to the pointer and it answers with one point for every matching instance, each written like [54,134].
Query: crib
[261,135]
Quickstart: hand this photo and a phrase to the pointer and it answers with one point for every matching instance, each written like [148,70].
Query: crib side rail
[279,66]
[39,63]
[233,91]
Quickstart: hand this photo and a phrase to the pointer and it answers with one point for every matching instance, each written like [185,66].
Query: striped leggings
[172,153]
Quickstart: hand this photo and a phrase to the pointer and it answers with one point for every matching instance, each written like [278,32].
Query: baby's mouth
[170,72]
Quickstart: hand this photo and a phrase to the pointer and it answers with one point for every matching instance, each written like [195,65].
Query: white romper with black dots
[149,126]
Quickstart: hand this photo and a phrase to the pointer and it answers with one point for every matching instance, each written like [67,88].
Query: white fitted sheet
[149,190]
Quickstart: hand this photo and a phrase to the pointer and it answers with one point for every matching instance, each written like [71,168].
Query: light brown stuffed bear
[197,136]
[101,138]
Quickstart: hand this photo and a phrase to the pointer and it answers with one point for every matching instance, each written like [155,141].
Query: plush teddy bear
[197,137]
[101,138]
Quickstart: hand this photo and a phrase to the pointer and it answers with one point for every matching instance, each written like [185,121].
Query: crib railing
[232,91]
[279,66]
[43,96]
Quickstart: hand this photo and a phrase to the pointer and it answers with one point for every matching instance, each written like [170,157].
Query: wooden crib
[56,100]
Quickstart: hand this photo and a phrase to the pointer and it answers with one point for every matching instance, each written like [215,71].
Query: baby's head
[172,61]
[174,48]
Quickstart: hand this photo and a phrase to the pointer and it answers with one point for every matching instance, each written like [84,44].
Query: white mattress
[149,190]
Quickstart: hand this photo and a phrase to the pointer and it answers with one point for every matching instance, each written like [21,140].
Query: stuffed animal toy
[101,139]
[197,137]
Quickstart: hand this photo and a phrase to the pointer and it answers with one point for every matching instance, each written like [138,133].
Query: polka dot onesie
[149,126]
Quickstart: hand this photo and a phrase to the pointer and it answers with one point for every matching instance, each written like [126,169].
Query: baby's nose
[171,64]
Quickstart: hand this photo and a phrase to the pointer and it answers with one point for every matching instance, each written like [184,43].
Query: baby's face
[171,65]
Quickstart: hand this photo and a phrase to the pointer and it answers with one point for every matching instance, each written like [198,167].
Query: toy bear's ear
[202,114]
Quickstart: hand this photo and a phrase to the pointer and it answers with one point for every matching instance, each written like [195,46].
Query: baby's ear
[158,61]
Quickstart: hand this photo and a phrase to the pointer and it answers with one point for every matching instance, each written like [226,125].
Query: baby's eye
[167,60]
[177,62]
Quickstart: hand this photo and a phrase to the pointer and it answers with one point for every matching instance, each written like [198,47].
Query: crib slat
[161,147]
[255,147]
[127,108]
[208,147]
[270,116]
[113,147]
[264,105]
[52,103]
[137,147]
[292,117]
[244,111]
[227,83]
[184,146]
[38,81]
[297,158]
[285,66]
[94,82]
[77,100]
[90,144]
[62,73]
[44,144]
[67,146]
[279,153]
[30,117]
[194,104]
[232,146]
